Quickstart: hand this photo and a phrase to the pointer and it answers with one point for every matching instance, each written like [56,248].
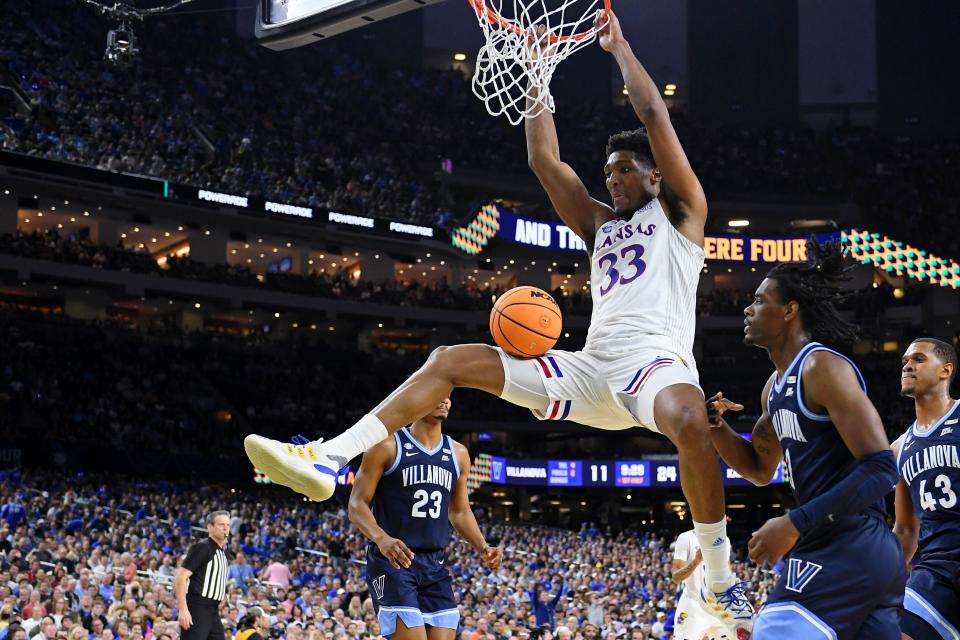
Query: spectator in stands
[254,626]
[545,603]
[278,573]
[241,572]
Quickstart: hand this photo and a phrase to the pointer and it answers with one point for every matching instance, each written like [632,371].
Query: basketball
[526,322]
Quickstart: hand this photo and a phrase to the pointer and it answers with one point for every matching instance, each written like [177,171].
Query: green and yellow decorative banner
[472,238]
[882,252]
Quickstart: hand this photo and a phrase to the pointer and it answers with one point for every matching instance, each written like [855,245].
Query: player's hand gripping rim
[717,405]
[394,550]
[610,36]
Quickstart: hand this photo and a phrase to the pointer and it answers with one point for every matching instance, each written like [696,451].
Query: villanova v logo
[800,573]
[378,586]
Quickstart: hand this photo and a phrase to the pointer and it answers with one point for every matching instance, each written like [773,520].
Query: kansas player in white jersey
[691,622]
[637,368]
[927,502]
[844,577]
[409,491]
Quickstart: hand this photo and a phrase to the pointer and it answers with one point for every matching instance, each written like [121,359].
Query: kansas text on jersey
[643,276]
[413,496]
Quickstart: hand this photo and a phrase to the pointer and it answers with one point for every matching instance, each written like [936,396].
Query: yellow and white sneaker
[302,465]
[730,607]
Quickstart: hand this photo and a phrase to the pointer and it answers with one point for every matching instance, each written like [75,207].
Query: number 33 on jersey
[643,278]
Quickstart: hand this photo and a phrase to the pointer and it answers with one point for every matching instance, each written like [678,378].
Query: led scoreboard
[599,473]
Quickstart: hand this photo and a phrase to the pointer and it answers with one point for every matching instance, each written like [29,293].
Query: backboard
[286,24]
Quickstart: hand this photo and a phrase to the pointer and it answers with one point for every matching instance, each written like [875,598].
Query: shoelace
[735,596]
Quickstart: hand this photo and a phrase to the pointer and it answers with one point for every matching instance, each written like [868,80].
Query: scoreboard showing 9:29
[598,473]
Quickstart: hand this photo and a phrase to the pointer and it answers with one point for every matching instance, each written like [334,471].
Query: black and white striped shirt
[208,567]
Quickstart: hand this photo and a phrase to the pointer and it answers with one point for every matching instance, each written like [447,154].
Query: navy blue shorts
[932,601]
[844,582]
[419,595]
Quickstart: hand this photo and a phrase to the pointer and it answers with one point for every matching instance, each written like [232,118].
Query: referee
[205,569]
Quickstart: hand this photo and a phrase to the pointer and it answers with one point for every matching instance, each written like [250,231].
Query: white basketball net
[514,67]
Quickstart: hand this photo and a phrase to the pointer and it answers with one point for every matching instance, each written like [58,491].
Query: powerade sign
[252,205]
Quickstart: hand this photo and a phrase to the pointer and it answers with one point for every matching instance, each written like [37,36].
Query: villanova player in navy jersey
[409,490]
[928,510]
[845,573]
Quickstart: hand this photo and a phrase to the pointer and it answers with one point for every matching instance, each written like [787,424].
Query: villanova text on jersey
[818,595]
[929,463]
[413,496]
[813,450]
[427,474]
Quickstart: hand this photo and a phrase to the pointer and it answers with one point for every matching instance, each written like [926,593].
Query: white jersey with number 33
[644,276]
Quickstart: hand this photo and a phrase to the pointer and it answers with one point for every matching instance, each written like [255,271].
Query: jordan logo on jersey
[378,585]
[800,573]
[786,425]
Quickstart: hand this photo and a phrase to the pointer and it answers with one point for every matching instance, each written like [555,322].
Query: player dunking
[844,578]
[409,490]
[637,367]
[928,510]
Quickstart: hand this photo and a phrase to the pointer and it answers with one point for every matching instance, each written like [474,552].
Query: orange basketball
[526,322]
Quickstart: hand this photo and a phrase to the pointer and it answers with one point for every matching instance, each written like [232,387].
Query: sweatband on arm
[874,477]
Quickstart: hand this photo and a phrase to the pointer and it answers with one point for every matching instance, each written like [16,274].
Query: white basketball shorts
[606,390]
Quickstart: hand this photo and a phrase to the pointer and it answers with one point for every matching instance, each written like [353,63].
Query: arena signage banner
[251,205]
[544,234]
[556,236]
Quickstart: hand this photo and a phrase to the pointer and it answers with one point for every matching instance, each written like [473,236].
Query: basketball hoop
[525,41]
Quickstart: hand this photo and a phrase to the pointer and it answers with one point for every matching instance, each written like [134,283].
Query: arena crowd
[92,557]
[235,118]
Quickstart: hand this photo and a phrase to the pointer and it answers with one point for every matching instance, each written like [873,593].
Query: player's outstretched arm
[567,193]
[374,462]
[756,460]
[462,518]
[668,154]
[907,524]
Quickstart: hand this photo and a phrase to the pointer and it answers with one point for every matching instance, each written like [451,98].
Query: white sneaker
[730,607]
[303,467]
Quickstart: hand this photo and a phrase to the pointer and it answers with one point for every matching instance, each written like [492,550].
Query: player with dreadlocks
[845,574]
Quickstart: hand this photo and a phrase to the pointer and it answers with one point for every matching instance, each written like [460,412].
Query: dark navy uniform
[929,463]
[843,580]
[411,503]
